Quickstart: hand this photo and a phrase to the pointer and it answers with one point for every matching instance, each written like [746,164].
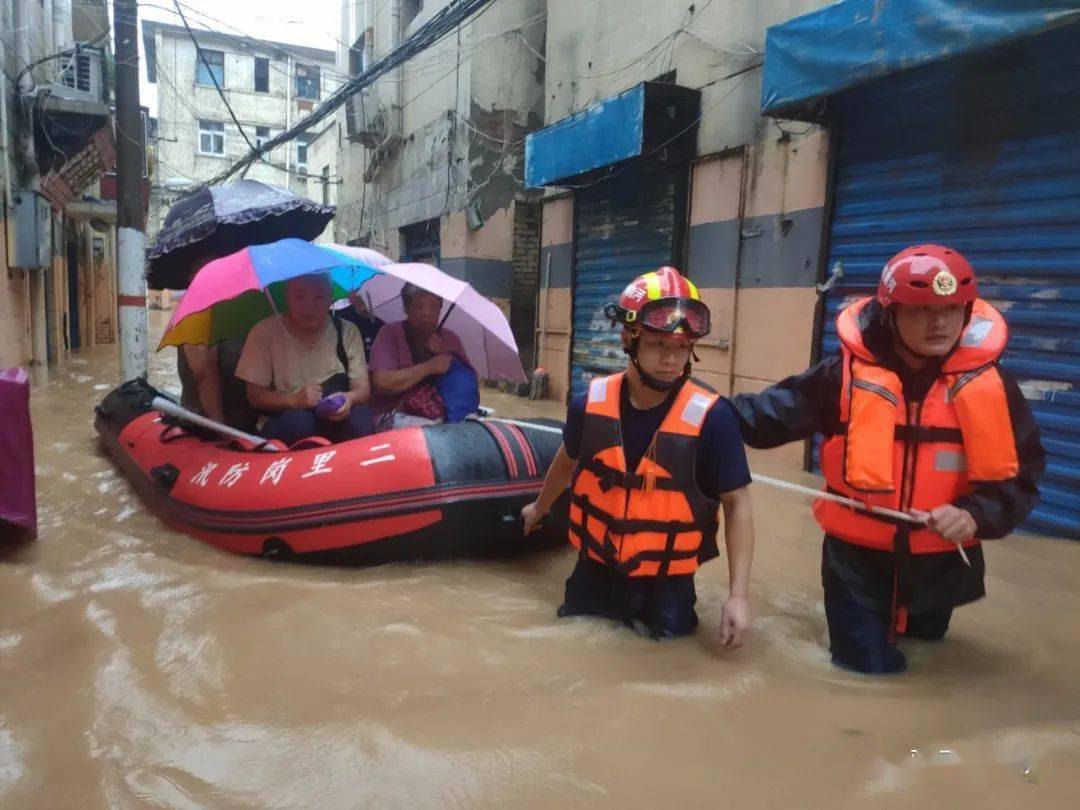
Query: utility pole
[130,159]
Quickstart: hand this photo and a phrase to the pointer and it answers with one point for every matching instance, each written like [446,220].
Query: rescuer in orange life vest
[650,457]
[917,416]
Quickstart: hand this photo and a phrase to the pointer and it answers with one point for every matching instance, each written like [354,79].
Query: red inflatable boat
[419,493]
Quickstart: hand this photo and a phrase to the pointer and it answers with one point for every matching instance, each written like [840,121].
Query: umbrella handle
[447,315]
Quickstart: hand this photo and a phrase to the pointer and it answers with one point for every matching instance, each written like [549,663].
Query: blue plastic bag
[460,391]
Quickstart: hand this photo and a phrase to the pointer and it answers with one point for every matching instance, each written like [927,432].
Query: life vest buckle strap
[609,477]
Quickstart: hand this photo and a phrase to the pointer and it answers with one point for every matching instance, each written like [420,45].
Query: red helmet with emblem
[927,274]
[662,301]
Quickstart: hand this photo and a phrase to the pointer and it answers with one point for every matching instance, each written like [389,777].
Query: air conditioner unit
[366,118]
[83,74]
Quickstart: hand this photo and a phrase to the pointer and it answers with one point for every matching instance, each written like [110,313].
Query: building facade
[781,152]
[268,85]
[57,288]
[431,161]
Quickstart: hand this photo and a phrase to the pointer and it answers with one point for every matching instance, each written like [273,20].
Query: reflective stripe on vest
[919,456]
[652,521]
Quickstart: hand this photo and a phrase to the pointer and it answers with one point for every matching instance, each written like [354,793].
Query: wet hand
[435,344]
[735,622]
[952,523]
[342,412]
[531,517]
[307,397]
[439,364]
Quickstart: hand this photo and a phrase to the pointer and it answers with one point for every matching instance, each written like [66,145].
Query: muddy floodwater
[140,668]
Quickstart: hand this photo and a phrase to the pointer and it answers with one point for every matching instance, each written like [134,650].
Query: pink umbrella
[484,331]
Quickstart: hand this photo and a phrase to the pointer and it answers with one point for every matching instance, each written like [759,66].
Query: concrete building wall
[712,255]
[105,313]
[555,303]
[782,229]
[14,289]
[14,313]
[56,305]
[182,103]
[35,302]
[464,107]
[482,257]
[323,180]
[90,19]
[755,218]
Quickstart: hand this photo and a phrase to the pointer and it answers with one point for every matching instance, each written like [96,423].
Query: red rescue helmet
[927,274]
[662,301]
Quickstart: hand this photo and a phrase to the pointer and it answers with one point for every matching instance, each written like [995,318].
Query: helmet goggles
[672,315]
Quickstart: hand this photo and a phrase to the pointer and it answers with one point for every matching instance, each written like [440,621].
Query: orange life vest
[916,455]
[651,522]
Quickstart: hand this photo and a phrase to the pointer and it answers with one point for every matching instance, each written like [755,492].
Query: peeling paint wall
[465,106]
[600,48]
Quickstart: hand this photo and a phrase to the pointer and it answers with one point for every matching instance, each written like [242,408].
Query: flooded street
[141,668]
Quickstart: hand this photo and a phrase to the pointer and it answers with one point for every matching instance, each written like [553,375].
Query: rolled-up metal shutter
[625,226]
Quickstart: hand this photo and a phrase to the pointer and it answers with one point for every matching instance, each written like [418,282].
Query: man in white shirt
[292,361]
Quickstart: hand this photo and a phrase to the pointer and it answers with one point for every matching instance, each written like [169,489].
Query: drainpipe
[5,141]
[24,23]
[63,34]
[46,25]
[289,79]
[369,33]
[399,72]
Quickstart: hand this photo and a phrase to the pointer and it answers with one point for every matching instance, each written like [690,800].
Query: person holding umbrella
[440,337]
[305,372]
[405,358]
[306,369]
[209,224]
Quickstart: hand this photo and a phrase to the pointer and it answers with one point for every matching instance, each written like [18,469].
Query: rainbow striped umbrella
[230,295]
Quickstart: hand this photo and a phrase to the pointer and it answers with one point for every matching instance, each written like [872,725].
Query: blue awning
[605,133]
[816,55]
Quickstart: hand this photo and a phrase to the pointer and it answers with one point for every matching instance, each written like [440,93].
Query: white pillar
[130,247]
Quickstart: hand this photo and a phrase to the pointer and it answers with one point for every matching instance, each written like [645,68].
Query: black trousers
[861,638]
[664,606]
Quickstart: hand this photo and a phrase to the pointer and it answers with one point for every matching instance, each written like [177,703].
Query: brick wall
[526,261]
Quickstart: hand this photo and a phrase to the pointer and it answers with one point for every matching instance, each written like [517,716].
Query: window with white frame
[211,138]
[216,70]
[262,135]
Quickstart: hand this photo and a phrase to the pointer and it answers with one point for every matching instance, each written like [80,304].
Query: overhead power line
[206,63]
[444,22]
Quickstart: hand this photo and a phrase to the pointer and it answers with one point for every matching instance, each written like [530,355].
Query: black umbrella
[224,219]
